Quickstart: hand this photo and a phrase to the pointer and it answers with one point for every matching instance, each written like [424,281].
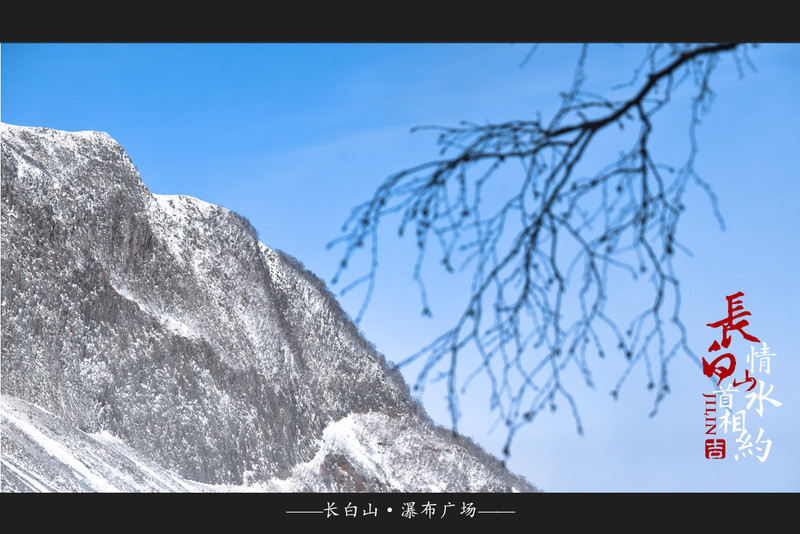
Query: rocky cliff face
[163,323]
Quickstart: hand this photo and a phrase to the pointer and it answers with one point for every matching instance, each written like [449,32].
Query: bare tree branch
[541,261]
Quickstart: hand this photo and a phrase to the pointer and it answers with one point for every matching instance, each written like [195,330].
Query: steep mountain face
[160,328]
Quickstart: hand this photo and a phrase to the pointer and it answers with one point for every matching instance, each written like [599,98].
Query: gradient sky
[292,136]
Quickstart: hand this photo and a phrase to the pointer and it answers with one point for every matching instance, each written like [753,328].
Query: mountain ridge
[163,321]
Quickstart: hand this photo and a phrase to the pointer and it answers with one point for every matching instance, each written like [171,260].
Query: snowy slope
[41,453]
[362,452]
[152,343]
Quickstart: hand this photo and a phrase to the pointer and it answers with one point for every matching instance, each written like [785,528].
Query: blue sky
[294,135]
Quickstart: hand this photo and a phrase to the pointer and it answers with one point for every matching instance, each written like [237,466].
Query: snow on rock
[362,452]
[153,343]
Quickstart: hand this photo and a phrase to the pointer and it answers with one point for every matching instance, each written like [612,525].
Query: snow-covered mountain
[152,343]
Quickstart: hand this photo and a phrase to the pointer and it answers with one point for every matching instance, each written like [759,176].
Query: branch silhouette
[540,260]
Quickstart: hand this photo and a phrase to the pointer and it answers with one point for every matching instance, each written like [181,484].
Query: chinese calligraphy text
[720,413]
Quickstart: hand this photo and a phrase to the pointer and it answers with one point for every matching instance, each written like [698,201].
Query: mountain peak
[163,321]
